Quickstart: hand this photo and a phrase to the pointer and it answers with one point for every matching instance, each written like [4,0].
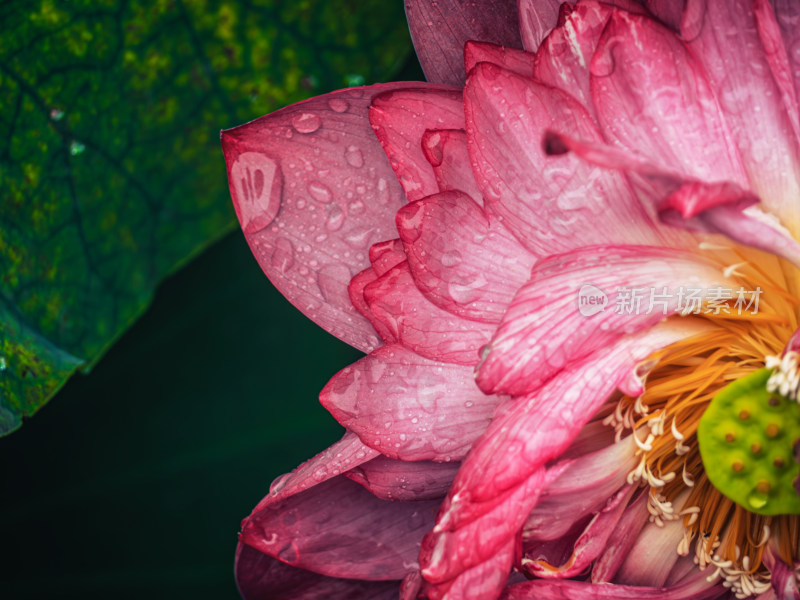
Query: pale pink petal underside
[312,189]
[439,29]
[409,407]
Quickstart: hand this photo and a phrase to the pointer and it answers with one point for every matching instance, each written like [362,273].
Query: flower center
[728,534]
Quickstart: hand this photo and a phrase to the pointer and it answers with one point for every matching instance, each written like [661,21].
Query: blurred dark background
[132,481]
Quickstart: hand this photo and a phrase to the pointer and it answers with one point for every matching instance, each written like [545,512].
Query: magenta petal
[409,407]
[750,98]
[399,120]
[536,19]
[546,328]
[549,204]
[339,529]
[384,256]
[622,540]
[504,474]
[345,454]
[261,577]
[591,542]
[461,260]
[419,324]
[440,29]
[406,481]
[582,489]
[783,577]
[446,150]
[543,589]
[312,189]
[787,13]
[511,59]
[668,113]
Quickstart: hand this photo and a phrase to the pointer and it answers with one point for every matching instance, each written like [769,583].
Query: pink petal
[461,260]
[591,543]
[652,556]
[511,59]
[783,577]
[384,256]
[721,207]
[733,56]
[546,328]
[622,540]
[536,19]
[421,325]
[582,489]
[339,529]
[787,13]
[312,189]
[347,453]
[668,114]
[668,12]
[400,118]
[446,150]
[439,30]
[405,481]
[409,407]
[772,39]
[543,589]
[482,581]
[503,476]
[260,576]
[550,205]
[356,292]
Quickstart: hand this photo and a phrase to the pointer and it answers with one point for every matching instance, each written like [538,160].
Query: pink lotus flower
[525,424]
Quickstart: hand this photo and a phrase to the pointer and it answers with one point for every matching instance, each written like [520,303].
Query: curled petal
[345,454]
[446,150]
[419,324]
[440,29]
[409,407]
[462,261]
[550,205]
[577,303]
[312,189]
[502,478]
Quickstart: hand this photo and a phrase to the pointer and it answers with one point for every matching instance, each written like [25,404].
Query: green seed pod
[747,437]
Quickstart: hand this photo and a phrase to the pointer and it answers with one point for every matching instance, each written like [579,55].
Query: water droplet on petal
[354,157]
[335,218]
[451,258]
[356,208]
[338,105]
[320,192]
[283,255]
[333,281]
[258,190]
[306,123]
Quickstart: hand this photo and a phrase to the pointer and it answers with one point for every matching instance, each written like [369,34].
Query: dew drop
[76,148]
[451,258]
[335,217]
[338,105]
[354,157]
[356,208]
[283,255]
[332,281]
[320,192]
[306,123]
